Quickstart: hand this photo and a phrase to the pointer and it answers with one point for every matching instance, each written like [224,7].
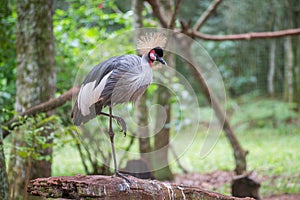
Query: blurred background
[44,44]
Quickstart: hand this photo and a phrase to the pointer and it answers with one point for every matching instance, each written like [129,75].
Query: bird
[117,80]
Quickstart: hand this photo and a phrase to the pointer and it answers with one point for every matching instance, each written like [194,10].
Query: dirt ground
[284,197]
[218,179]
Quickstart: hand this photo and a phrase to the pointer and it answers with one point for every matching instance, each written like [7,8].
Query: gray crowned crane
[117,80]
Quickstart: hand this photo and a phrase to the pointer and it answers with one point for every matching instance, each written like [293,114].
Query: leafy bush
[39,133]
[262,113]
[8,62]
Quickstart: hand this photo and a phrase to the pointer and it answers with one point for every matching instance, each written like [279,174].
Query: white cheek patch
[88,94]
[152,56]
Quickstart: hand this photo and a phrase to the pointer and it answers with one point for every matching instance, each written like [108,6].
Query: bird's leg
[120,121]
[111,135]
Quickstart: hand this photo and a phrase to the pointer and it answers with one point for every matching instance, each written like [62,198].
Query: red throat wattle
[150,63]
[151,57]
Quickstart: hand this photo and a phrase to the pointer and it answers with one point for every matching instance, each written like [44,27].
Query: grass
[275,157]
[66,161]
[272,136]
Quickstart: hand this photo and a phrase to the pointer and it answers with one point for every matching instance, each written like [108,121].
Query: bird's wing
[94,86]
[87,95]
[127,81]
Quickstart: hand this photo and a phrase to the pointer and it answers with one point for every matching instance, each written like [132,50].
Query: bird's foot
[117,173]
[122,123]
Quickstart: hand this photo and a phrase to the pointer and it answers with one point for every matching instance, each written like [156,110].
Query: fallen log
[108,187]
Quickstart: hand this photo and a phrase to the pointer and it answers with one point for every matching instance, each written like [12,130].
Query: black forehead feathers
[159,51]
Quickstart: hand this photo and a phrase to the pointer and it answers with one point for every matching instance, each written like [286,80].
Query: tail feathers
[80,119]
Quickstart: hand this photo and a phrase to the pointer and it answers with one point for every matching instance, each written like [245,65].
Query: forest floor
[221,181]
[270,134]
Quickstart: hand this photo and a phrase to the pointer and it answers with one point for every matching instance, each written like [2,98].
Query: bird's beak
[161,60]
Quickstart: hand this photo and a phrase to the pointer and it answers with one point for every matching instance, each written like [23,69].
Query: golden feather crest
[149,41]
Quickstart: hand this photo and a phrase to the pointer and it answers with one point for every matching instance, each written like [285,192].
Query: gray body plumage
[117,80]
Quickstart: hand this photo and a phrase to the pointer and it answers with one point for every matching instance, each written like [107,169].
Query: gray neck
[145,59]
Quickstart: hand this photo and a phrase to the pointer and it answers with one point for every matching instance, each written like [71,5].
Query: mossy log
[108,187]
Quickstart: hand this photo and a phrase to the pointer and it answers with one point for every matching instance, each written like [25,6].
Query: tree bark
[288,70]
[297,74]
[157,11]
[49,105]
[194,33]
[297,62]
[141,111]
[205,15]
[142,129]
[246,36]
[107,187]
[5,12]
[271,72]
[161,139]
[35,83]
[3,175]
[137,7]
[238,152]
[291,60]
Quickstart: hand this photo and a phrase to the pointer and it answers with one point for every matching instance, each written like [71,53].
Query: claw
[117,173]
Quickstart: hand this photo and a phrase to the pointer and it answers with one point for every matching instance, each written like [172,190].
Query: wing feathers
[123,77]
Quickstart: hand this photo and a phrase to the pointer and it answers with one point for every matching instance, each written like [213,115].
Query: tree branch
[107,187]
[239,152]
[194,32]
[156,11]
[175,13]
[202,19]
[43,107]
[246,36]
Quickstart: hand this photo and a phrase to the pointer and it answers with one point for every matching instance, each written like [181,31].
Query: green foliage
[33,128]
[269,129]
[7,61]
[273,154]
[67,160]
[79,26]
[265,113]
[39,132]
[245,64]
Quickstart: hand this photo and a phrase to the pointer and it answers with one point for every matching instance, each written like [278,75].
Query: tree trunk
[271,72]
[3,175]
[35,84]
[161,140]
[288,90]
[5,12]
[274,22]
[114,188]
[142,129]
[141,111]
[238,152]
[288,70]
[295,14]
[297,73]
